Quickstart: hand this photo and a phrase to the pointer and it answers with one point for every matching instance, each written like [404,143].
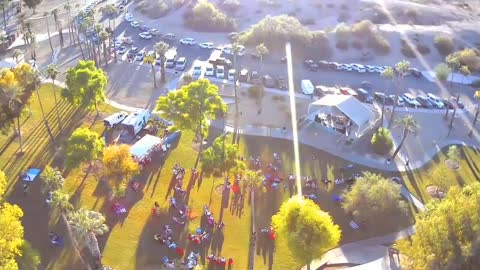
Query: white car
[437,102]
[206,45]
[197,70]
[187,41]
[346,67]
[410,100]
[117,43]
[358,68]
[379,69]
[128,17]
[139,56]
[232,73]
[135,24]
[209,70]
[371,69]
[181,63]
[145,35]
[229,49]
[220,72]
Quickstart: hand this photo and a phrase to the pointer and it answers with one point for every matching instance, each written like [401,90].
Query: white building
[342,113]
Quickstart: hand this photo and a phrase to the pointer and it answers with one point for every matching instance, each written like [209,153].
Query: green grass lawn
[130,244]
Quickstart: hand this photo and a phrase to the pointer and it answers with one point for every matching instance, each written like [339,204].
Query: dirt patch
[436,192]
[452,164]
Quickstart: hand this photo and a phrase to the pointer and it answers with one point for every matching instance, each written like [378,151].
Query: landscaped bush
[382,141]
[363,28]
[320,42]
[470,58]
[206,17]
[407,50]
[153,9]
[411,14]
[444,44]
[378,43]
[423,49]
[256,92]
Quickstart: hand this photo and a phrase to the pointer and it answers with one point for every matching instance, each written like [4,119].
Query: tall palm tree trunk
[20,142]
[383,112]
[76,246]
[105,54]
[405,133]
[474,121]
[48,33]
[392,116]
[80,45]
[154,76]
[44,118]
[56,104]
[235,81]
[162,68]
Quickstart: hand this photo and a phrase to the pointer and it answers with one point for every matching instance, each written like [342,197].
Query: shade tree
[221,157]
[82,146]
[119,164]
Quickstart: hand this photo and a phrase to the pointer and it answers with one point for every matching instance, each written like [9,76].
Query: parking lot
[273,66]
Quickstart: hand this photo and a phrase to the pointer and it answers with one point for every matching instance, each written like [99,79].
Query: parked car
[221,62]
[187,41]
[307,87]
[229,50]
[128,17]
[144,28]
[127,40]
[145,35]
[347,91]
[436,101]
[255,78]
[367,85]
[400,100]
[220,73]
[370,68]
[197,70]
[135,24]
[364,96]
[323,64]
[244,75]
[423,100]
[132,52]
[114,119]
[181,63]
[282,83]
[346,67]
[140,56]
[168,36]
[269,81]
[453,102]
[358,68]
[209,70]
[206,45]
[410,100]
[122,50]
[380,97]
[310,65]
[414,72]
[232,73]
[154,32]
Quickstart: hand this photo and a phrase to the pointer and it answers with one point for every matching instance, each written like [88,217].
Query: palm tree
[67,7]
[261,50]
[3,5]
[52,72]
[110,11]
[389,75]
[150,60]
[16,55]
[235,50]
[475,117]
[401,69]
[54,13]
[33,45]
[408,124]
[45,15]
[12,96]
[52,179]
[465,71]
[36,78]
[104,36]
[442,73]
[86,225]
[161,49]
[61,202]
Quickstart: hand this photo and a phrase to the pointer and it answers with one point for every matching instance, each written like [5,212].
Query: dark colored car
[244,75]
[423,100]
[382,98]
[132,52]
[255,78]
[450,103]
[310,65]
[221,62]
[364,96]
[144,28]
[269,81]
[415,72]
[323,64]
[282,83]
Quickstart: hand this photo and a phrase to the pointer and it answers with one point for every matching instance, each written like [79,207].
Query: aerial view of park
[239,134]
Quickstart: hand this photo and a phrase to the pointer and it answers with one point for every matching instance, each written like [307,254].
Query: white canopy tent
[145,146]
[361,116]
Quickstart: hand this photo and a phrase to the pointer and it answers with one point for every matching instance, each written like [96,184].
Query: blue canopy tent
[31,175]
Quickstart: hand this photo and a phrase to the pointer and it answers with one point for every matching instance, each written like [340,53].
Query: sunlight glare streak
[293,110]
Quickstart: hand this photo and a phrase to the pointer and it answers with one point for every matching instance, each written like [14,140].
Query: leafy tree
[442,177]
[30,257]
[191,106]
[11,230]
[11,103]
[83,145]
[382,141]
[408,124]
[150,60]
[309,231]
[118,163]
[467,57]
[442,71]
[446,234]
[262,50]
[103,37]
[401,69]
[221,157]
[161,48]
[453,152]
[85,85]
[32,4]
[389,75]
[52,179]
[52,72]
[206,17]
[86,225]
[373,196]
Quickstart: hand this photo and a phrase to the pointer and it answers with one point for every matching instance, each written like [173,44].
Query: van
[307,87]
[170,57]
[181,63]
[410,100]
[136,121]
